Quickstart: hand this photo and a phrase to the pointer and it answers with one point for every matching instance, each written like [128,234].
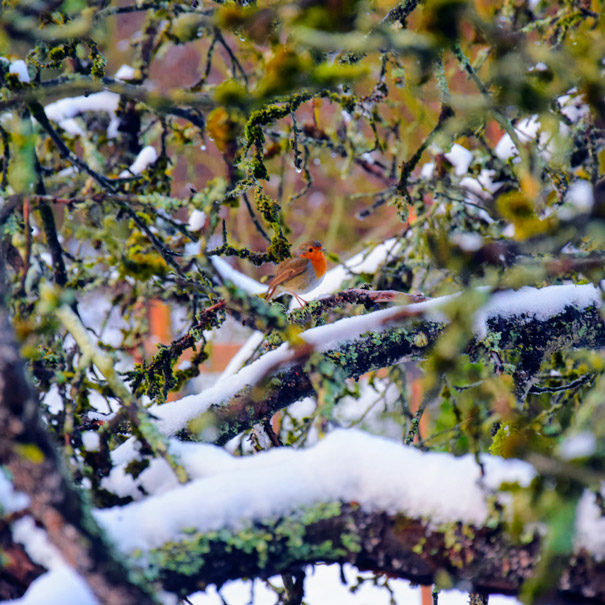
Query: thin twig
[50,228]
[40,114]
[275,440]
[502,120]
[407,167]
[254,218]
[236,65]
[563,387]
[5,157]
[209,54]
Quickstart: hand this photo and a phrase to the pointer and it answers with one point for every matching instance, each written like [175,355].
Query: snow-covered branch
[535,321]
[352,498]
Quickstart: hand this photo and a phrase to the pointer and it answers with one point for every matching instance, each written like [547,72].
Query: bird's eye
[310,249]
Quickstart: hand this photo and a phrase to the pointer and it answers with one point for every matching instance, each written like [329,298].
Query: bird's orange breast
[319,262]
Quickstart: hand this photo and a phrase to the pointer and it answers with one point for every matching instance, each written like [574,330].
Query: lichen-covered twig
[92,353]
[407,167]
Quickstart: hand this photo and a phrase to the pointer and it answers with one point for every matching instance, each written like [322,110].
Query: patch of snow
[540,66]
[64,110]
[36,543]
[573,106]
[367,157]
[590,526]
[509,231]
[72,126]
[53,400]
[347,465]
[483,186]
[426,172]
[125,73]
[69,171]
[228,273]
[10,499]
[197,218]
[60,586]
[526,129]
[19,69]
[199,460]
[147,156]
[192,248]
[470,242]
[581,195]
[581,445]
[113,129]
[460,157]
[91,441]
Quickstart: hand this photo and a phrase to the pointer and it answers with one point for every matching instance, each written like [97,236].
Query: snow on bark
[520,306]
[355,498]
[346,466]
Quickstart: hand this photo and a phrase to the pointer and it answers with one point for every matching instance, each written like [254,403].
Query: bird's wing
[285,272]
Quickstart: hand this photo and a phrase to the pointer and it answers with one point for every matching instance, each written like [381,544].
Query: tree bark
[26,449]
[572,328]
[18,571]
[395,545]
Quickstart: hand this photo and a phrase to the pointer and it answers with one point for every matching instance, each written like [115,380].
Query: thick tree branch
[27,451]
[18,570]
[570,328]
[397,545]
[392,544]
[357,499]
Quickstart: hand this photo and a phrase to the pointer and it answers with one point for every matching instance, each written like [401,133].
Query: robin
[301,273]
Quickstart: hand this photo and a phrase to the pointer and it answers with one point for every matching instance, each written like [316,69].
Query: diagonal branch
[28,451]
[352,498]
[578,324]
[537,321]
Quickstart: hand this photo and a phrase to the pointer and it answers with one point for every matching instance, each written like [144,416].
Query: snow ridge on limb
[541,320]
[528,315]
[347,465]
[339,494]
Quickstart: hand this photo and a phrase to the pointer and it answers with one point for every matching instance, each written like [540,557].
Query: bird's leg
[301,301]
